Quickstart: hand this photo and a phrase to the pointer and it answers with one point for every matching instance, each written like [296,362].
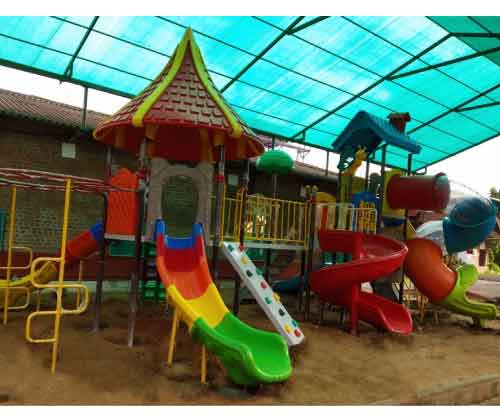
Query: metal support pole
[109,163]
[381,198]
[310,250]
[141,211]
[84,111]
[367,174]
[219,203]
[339,187]
[100,273]
[242,215]
[327,162]
[405,236]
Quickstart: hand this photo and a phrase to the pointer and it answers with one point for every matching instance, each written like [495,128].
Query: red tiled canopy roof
[181,114]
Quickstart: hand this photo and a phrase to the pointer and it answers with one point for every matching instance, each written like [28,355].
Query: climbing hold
[244,260]
[268,300]
[231,248]
[263,284]
[288,329]
[295,324]
[281,312]
[277,297]
[297,333]
[249,273]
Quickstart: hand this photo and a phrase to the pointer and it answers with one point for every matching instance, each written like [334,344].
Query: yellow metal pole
[80,277]
[173,334]
[203,364]
[12,226]
[60,281]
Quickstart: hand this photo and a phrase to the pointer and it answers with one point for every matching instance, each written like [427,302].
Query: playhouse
[242,254]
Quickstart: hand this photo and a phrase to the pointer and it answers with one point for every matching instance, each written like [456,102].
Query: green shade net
[301,79]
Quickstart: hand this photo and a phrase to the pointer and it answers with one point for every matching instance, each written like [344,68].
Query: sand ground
[331,367]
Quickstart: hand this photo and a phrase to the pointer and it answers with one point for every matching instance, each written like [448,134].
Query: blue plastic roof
[299,78]
[369,131]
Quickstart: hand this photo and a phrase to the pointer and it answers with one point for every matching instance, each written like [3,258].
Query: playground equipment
[144,128]
[373,256]
[250,356]
[43,270]
[468,223]
[267,299]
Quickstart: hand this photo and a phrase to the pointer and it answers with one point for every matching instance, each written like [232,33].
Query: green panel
[148,31]
[491,23]
[319,138]
[488,116]
[320,65]
[280,21]
[271,104]
[437,86]
[99,75]
[254,39]
[219,80]
[355,44]
[49,32]
[463,127]
[36,57]
[302,78]
[333,124]
[457,301]
[479,73]
[402,100]
[125,57]
[450,49]
[411,33]
[279,80]
[445,142]
[457,24]
[268,123]
[250,356]
[350,110]
[397,158]
[80,20]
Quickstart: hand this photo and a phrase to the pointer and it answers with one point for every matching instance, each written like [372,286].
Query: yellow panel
[209,306]
[387,211]
[187,314]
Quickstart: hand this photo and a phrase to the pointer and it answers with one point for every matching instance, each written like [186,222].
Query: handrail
[58,287]
[24,267]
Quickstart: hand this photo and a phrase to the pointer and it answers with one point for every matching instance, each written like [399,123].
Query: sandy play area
[332,367]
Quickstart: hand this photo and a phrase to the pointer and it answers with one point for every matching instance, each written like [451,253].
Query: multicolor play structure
[344,240]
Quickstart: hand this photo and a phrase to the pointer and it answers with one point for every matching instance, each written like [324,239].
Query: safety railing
[266,219]
[9,268]
[9,291]
[345,216]
[58,288]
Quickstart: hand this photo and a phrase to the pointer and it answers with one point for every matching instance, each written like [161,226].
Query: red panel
[374,256]
[188,267]
[122,206]
[81,247]
[419,192]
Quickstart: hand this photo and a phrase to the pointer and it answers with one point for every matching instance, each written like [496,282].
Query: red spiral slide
[373,256]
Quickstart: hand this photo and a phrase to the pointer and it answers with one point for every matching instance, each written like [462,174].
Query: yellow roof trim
[137,119]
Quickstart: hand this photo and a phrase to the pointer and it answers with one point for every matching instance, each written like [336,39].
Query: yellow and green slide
[250,356]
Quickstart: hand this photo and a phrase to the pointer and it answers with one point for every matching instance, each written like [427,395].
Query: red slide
[373,256]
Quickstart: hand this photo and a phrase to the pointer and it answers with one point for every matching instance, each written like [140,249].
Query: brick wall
[32,145]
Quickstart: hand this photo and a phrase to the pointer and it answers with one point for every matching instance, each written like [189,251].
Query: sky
[477,168]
